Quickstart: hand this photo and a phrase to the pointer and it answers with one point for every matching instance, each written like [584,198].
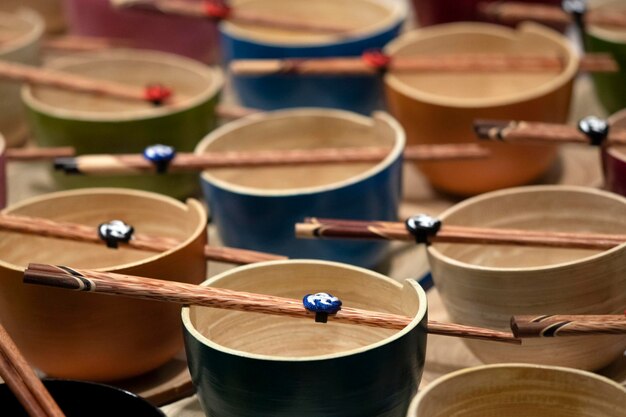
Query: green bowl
[96,124]
[610,87]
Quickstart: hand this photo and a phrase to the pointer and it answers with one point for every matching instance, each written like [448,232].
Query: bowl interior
[14,27]
[189,80]
[479,88]
[561,209]
[148,213]
[298,130]
[521,391]
[77,399]
[356,16]
[278,337]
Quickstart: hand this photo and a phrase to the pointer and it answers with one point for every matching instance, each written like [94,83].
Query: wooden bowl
[96,337]
[107,125]
[23,30]
[441,107]
[258,208]
[614,159]
[79,399]
[375,23]
[187,36]
[3,174]
[610,87]
[50,10]
[517,390]
[485,285]
[245,364]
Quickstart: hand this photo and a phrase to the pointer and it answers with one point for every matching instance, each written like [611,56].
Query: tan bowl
[516,390]
[50,10]
[96,337]
[485,285]
[23,31]
[441,107]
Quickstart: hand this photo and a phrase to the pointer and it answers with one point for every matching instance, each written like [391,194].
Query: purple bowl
[614,159]
[187,36]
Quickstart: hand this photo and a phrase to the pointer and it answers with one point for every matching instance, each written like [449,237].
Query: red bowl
[614,159]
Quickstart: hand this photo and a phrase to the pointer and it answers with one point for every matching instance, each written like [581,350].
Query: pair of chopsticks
[188,294]
[515,12]
[23,382]
[441,63]
[81,233]
[137,163]
[313,228]
[541,133]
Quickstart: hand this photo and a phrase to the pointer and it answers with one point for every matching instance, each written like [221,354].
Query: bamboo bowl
[107,125]
[614,159]
[23,30]
[372,24]
[485,285]
[245,364]
[50,10]
[516,390]
[257,208]
[441,107]
[94,337]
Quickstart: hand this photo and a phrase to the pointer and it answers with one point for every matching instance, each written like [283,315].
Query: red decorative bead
[157,93]
[377,59]
[216,10]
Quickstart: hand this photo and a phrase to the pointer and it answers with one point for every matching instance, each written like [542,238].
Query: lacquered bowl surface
[247,364]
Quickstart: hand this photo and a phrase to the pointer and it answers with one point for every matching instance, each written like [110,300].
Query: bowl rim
[188,206]
[399,13]
[3,145]
[412,411]
[395,154]
[617,152]
[566,76]
[213,74]
[29,38]
[206,342]
[604,34]
[437,254]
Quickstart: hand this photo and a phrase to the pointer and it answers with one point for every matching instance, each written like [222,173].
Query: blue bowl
[378,23]
[256,208]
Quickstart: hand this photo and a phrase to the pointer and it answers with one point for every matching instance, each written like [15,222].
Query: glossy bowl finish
[517,390]
[434,12]
[95,125]
[191,37]
[97,337]
[441,108]
[377,23]
[245,364]
[610,87]
[484,285]
[614,159]
[79,399]
[257,208]
[26,29]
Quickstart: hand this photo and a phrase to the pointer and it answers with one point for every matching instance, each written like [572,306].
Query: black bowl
[81,399]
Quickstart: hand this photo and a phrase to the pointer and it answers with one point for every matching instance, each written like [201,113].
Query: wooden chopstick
[66,81]
[199,9]
[515,12]
[38,154]
[82,233]
[536,132]
[567,325]
[188,294]
[138,164]
[73,43]
[490,63]
[23,382]
[376,230]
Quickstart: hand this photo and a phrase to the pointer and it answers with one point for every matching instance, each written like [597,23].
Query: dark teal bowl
[84,399]
[257,208]
[256,365]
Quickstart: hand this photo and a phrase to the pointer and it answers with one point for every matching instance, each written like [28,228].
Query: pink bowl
[614,159]
[191,37]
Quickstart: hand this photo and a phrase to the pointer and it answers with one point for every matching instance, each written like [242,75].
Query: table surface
[577,166]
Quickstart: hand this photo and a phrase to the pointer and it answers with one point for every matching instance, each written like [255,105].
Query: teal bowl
[96,124]
[256,365]
[610,87]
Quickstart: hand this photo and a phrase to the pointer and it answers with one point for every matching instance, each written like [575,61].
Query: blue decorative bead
[321,302]
[160,155]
